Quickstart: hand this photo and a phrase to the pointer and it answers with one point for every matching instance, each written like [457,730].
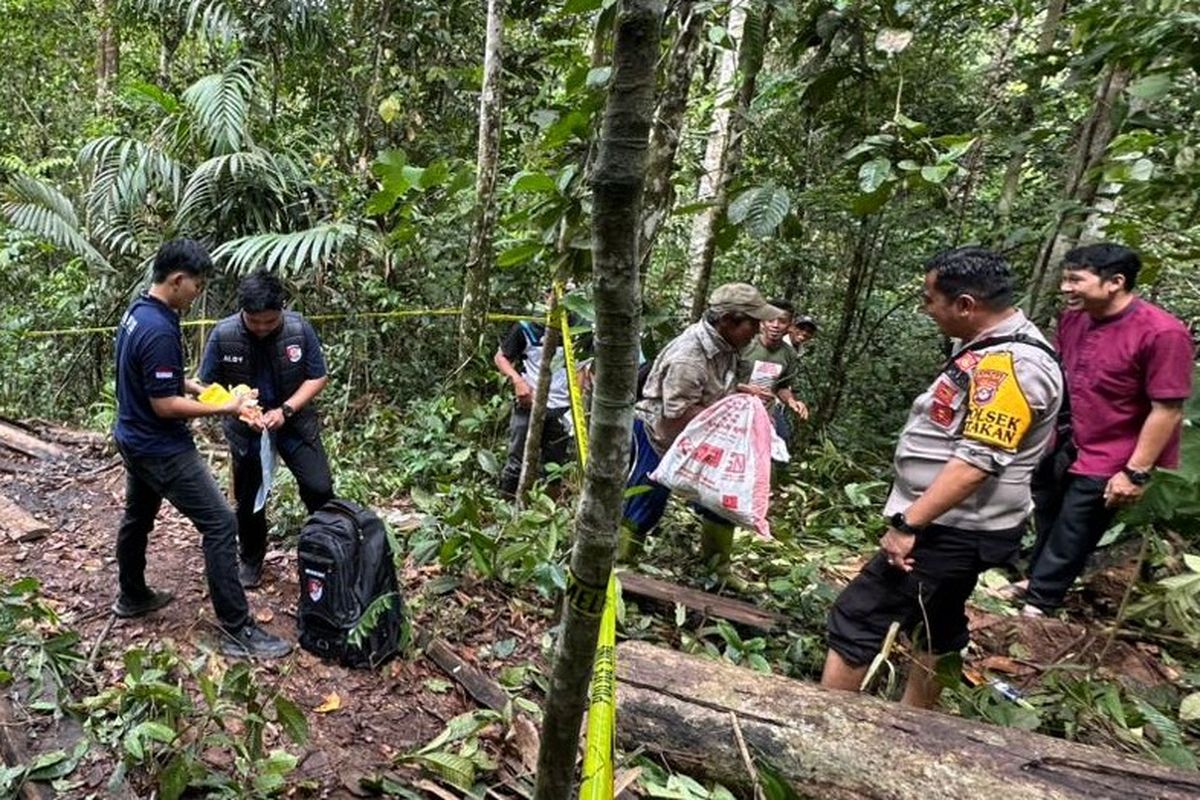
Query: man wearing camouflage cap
[695,370]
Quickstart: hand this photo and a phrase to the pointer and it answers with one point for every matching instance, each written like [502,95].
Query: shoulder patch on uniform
[998,413]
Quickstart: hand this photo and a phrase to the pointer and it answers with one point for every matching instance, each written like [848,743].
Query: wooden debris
[710,605]
[478,684]
[19,524]
[523,732]
[22,441]
[838,745]
[13,738]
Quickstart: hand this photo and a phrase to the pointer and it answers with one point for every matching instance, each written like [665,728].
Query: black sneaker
[250,574]
[253,642]
[126,607]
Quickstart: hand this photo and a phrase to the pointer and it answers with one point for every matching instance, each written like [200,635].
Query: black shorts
[932,598]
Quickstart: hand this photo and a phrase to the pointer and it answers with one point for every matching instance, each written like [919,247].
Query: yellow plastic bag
[215,395]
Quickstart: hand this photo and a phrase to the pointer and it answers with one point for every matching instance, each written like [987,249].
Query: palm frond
[220,105]
[129,179]
[220,179]
[213,18]
[291,253]
[43,211]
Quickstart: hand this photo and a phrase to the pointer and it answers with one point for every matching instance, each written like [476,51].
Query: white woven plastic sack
[722,460]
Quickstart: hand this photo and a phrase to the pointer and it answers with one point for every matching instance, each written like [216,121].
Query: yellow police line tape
[597,777]
[408,312]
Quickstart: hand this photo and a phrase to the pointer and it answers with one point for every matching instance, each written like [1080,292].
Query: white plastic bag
[722,460]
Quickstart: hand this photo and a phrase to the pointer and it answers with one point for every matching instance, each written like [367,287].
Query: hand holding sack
[722,460]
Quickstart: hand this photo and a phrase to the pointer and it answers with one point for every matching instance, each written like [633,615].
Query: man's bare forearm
[1162,422]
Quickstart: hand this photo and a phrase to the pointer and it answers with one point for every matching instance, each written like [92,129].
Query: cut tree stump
[19,524]
[22,441]
[710,605]
[841,745]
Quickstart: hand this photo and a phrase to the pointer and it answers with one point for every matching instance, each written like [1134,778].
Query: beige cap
[742,298]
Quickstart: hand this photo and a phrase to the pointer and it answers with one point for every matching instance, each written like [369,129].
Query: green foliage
[454,755]
[159,728]
[35,649]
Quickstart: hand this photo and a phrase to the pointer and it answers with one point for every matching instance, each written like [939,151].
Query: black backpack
[346,565]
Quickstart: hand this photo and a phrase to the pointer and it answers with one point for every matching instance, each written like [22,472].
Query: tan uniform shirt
[1001,424]
[696,368]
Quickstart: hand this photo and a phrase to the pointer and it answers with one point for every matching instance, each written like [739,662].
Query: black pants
[1069,524]
[932,598]
[304,456]
[556,444]
[184,481]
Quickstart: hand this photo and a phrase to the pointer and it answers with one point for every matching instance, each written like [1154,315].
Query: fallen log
[22,441]
[19,524]
[710,605]
[836,745]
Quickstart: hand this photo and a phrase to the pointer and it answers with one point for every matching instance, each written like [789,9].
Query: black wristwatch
[287,410]
[1136,477]
[898,522]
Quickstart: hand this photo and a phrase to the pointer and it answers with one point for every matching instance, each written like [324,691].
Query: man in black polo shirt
[276,352]
[161,460]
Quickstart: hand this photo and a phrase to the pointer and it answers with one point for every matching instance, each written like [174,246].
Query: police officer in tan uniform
[963,463]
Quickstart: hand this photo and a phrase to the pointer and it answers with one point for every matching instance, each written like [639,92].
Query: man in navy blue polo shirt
[161,460]
[276,352]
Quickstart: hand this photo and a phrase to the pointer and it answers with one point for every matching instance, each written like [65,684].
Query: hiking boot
[125,607]
[716,549]
[250,574]
[253,642]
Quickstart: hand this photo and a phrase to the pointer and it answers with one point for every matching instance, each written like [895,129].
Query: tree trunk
[668,126]
[715,175]
[839,745]
[473,320]
[617,189]
[1082,183]
[1025,116]
[531,461]
[108,55]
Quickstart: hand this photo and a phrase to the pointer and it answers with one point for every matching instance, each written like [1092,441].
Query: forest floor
[409,701]
[380,713]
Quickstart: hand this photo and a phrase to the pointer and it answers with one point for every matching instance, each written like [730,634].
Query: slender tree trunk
[1025,116]
[714,179]
[473,320]
[617,189]
[1082,183]
[108,55]
[531,461]
[668,127]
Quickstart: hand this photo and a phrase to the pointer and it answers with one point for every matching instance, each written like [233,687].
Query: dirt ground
[409,701]
[393,710]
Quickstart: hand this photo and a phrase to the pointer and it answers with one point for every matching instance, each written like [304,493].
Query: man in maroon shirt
[1129,368]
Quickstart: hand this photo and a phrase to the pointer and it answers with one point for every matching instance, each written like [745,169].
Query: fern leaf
[289,253]
[220,106]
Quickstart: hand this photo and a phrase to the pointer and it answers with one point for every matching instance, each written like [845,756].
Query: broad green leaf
[858,150]
[937,173]
[873,174]
[533,182]
[451,767]
[1151,87]
[717,35]
[866,204]
[911,125]
[435,175]
[291,719]
[1141,170]
[518,254]
[1192,561]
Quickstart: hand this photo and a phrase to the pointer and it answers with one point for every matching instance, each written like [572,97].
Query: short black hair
[181,255]
[1106,260]
[975,271]
[784,305]
[260,291]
